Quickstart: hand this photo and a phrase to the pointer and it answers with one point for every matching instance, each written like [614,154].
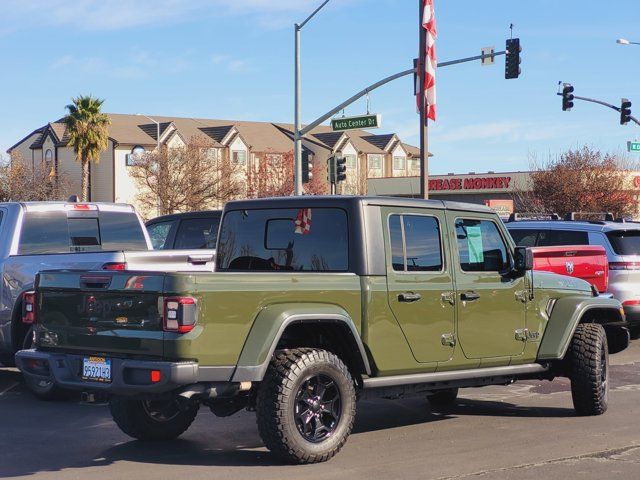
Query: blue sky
[233,59]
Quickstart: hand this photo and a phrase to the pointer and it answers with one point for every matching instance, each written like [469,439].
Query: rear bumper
[128,377]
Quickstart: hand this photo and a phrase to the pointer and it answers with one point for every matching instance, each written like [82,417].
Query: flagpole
[424,132]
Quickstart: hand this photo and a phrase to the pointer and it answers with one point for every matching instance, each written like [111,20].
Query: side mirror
[523,259]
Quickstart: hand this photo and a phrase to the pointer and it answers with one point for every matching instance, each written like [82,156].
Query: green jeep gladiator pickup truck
[316,302]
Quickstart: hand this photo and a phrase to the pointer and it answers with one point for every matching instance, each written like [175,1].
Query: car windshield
[625,242]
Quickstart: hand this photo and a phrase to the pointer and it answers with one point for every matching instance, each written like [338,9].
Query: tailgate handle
[95,281]
[199,259]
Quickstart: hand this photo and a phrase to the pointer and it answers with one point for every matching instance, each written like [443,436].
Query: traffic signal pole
[600,102]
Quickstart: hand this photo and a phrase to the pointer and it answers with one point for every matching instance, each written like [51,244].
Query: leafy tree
[88,133]
[583,180]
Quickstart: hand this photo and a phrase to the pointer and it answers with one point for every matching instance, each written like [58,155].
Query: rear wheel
[41,388]
[152,420]
[588,359]
[306,405]
[443,398]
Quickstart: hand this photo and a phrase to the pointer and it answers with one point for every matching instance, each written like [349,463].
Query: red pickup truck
[581,261]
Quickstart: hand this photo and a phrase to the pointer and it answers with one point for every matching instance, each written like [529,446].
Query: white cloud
[232,64]
[122,14]
[137,64]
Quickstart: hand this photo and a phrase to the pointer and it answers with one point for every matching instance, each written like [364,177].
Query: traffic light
[625,111]
[341,169]
[331,170]
[512,61]
[567,97]
[307,167]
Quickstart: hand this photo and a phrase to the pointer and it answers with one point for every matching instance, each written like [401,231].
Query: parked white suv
[620,239]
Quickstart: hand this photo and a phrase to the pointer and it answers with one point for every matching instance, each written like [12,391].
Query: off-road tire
[42,389]
[277,399]
[443,398]
[588,368]
[133,418]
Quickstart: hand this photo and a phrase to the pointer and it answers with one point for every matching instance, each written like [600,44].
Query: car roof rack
[589,217]
[625,220]
[532,216]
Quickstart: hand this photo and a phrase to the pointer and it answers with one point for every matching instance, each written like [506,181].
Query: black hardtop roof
[175,216]
[347,201]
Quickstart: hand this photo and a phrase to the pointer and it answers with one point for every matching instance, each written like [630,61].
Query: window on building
[400,162]
[48,156]
[415,243]
[414,164]
[375,162]
[480,246]
[352,161]
[271,240]
[239,157]
[136,154]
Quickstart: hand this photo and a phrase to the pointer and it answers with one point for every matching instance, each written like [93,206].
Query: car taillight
[624,265]
[115,266]
[180,314]
[631,303]
[29,307]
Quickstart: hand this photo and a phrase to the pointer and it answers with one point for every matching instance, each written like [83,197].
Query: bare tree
[22,182]
[583,180]
[182,179]
[273,177]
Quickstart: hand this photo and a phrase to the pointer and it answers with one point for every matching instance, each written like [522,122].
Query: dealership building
[499,190]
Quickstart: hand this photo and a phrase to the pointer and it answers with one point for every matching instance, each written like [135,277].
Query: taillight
[29,307]
[628,303]
[119,266]
[624,265]
[180,314]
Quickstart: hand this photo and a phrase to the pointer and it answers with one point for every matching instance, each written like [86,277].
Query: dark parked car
[181,231]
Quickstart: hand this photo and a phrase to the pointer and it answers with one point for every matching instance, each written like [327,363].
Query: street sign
[353,123]
[487,60]
[633,146]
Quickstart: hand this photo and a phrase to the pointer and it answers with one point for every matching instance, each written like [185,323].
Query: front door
[419,281]
[490,302]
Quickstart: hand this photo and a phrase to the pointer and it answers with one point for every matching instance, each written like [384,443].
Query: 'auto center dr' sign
[470,183]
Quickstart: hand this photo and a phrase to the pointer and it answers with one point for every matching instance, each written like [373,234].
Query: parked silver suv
[620,239]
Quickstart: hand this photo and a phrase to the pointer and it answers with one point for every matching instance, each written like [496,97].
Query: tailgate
[585,262]
[100,312]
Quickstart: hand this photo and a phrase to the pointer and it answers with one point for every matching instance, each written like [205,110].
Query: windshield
[625,242]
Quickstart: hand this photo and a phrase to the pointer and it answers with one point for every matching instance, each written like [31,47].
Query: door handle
[199,259]
[409,297]
[469,296]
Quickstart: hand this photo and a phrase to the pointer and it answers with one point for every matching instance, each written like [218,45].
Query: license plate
[96,369]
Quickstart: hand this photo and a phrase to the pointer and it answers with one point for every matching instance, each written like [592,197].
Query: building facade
[246,143]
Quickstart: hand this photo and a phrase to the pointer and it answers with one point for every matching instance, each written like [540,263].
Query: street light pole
[297,134]
[159,207]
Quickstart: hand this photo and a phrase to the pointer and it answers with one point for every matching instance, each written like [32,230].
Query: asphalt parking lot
[524,431]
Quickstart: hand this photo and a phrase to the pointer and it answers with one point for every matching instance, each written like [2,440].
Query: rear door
[490,303]
[419,281]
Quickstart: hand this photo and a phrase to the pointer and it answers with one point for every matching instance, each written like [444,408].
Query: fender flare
[270,324]
[564,319]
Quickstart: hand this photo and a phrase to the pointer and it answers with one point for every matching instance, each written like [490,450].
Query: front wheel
[588,358]
[152,419]
[306,405]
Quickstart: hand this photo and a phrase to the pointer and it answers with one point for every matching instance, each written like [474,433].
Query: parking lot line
[10,387]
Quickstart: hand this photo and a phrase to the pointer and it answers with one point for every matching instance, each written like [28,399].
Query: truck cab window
[480,246]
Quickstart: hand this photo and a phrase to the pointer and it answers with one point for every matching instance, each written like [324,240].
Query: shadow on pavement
[76,436]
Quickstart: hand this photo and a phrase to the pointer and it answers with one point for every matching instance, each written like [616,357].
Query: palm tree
[88,133]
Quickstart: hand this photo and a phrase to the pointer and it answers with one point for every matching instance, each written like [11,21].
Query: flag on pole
[429,58]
